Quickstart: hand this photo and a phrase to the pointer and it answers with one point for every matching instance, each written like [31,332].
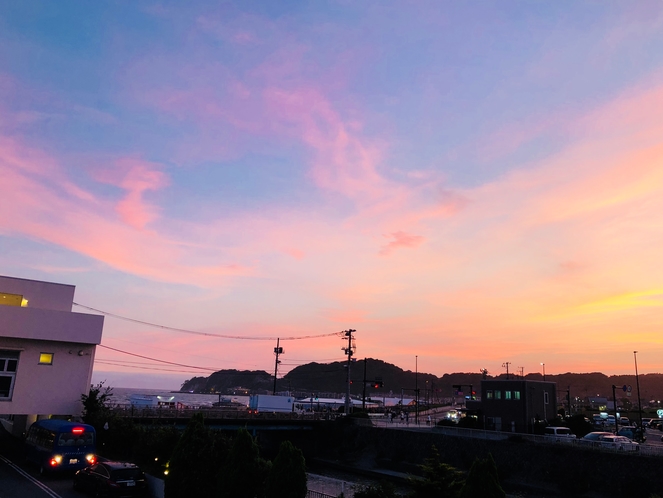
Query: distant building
[516,405]
[46,352]
[599,403]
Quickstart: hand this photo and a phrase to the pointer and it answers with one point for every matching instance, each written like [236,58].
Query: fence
[317,494]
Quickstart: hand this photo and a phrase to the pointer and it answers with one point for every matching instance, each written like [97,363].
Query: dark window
[8,366]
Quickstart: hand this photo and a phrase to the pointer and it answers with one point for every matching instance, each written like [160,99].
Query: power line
[207,334]
[157,360]
[145,368]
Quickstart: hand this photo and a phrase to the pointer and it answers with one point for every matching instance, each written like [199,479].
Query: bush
[382,490]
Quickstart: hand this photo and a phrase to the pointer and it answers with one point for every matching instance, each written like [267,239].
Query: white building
[46,351]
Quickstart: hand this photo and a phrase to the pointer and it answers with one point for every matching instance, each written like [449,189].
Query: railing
[642,449]
[126,410]
[317,494]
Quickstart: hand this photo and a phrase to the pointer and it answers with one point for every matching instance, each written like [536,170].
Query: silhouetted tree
[440,480]
[482,480]
[95,405]
[287,476]
[244,473]
[195,461]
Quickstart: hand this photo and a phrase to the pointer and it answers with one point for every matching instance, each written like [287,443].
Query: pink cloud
[401,240]
[136,177]
[87,224]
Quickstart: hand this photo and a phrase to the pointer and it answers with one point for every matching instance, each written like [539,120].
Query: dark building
[516,405]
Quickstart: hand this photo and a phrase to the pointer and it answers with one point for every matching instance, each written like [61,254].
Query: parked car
[116,479]
[593,437]
[558,434]
[656,423]
[645,422]
[634,433]
[624,421]
[618,443]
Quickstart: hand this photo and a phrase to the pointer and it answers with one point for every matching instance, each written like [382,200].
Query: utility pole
[277,351]
[614,400]
[522,372]
[348,351]
[637,385]
[506,364]
[363,395]
[416,390]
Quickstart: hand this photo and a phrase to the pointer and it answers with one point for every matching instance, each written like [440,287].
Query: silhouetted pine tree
[195,461]
[287,477]
[482,480]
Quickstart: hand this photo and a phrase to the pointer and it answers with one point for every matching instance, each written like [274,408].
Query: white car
[618,443]
[559,434]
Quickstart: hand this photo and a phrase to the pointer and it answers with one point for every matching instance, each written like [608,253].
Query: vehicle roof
[119,465]
[597,434]
[54,424]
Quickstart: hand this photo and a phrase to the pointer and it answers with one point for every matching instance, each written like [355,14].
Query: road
[23,481]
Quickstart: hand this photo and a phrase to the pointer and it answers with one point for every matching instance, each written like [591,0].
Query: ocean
[121,396]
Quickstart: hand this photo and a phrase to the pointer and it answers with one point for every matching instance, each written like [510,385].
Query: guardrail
[642,449]
[213,413]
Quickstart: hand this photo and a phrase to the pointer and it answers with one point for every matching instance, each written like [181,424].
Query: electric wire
[207,334]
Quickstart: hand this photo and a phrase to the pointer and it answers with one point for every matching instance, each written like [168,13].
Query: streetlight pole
[544,371]
[637,385]
[416,389]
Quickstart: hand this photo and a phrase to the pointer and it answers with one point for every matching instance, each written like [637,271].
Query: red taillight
[54,462]
[78,430]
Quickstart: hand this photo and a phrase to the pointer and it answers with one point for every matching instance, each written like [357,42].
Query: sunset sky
[464,183]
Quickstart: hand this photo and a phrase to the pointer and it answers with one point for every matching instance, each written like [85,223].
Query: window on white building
[12,300]
[45,358]
[8,367]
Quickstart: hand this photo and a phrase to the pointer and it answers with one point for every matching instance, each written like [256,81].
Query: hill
[328,378]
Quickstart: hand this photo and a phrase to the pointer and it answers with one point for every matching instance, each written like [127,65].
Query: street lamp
[544,371]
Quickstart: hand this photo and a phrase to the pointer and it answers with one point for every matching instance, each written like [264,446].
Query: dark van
[57,445]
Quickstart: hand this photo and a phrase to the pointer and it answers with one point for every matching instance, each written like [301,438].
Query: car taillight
[56,460]
[90,459]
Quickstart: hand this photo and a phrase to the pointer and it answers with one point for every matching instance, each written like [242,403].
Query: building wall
[517,415]
[47,325]
[42,295]
[49,389]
